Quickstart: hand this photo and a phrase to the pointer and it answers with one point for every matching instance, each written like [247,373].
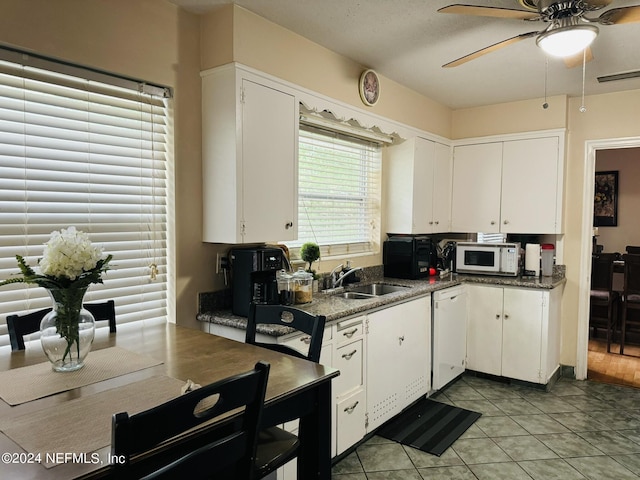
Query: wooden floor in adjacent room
[613,367]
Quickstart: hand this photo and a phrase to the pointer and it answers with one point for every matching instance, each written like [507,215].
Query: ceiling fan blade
[617,16]
[490,12]
[489,49]
[576,60]
[596,4]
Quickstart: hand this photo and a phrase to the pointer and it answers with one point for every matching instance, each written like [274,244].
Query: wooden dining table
[296,389]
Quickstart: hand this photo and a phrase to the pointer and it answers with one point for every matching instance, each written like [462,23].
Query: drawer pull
[351,408]
[400,340]
[350,333]
[306,339]
[347,356]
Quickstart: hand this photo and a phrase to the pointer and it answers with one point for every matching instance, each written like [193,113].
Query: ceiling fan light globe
[567,41]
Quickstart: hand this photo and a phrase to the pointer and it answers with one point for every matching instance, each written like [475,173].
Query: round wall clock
[369,87]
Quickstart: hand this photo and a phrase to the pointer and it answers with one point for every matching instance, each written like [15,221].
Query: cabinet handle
[493,222]
[306,340]
[351,408]
[497,316]
[350,333]
[347,356]
[288,225]
[400,340]
[437,222]
[430,223]
[506,316]
[506,222]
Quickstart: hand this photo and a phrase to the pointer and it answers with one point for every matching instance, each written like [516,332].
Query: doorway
[592,147]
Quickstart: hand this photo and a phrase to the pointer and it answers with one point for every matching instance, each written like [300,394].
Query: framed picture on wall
[605,201]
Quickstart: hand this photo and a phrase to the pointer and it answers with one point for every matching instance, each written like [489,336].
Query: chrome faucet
[336,280]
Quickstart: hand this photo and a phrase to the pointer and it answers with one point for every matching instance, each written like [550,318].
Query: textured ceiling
[408,42]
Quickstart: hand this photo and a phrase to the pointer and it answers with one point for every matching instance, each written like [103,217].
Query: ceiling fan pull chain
[584,69]
[545,105]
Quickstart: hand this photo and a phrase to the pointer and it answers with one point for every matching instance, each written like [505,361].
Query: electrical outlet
[222,263]
[219,263]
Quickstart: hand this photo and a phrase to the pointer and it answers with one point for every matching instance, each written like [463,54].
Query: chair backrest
[632,249]
[103,311]
[134,437]
[602,271]
[312,325]
[631,274]
[21,325]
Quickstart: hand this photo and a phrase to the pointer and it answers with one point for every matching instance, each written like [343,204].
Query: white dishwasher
[449,335]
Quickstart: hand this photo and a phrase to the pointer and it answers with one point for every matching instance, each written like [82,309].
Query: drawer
[350,416]
[349,360]
[301,344]
[349,330]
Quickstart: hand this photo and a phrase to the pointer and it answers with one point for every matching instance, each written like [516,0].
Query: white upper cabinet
[512,186]
[249,140]
[477,177]
[419,187]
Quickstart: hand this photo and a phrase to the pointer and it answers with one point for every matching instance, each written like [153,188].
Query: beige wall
[627,162]
[144,39]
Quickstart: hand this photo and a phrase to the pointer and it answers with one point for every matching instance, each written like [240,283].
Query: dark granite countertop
[335,307]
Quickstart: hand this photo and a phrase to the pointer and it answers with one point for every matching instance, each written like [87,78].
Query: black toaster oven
[409,256]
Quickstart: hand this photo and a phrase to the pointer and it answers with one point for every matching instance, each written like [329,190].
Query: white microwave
[488,258]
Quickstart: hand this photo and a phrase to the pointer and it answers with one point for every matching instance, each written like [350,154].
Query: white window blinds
[338,192]
[77,152]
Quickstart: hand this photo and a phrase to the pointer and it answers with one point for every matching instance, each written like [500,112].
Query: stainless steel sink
[377,289]
[356,295]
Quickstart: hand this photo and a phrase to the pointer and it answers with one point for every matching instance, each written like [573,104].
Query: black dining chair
[604,300]
[630,297]
[21,325]
[276,446]
[144,440]
[632,249]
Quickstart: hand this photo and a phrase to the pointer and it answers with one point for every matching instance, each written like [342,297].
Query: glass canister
[285,288]
[303,286]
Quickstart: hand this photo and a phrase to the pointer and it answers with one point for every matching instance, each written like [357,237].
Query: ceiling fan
[569,31]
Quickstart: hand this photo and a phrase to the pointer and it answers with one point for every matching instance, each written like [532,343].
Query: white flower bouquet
[70,264]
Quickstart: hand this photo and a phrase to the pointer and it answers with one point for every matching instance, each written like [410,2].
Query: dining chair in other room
[630,297]
[604,300]
[21,325]
[135,437]
[276,446]
[632,249]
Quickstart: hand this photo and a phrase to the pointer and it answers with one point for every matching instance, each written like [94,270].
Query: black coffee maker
[253,272]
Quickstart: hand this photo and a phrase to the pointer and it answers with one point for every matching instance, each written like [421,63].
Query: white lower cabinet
[398,358]
[514,332]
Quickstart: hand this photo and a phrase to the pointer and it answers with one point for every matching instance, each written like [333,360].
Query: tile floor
[581,429]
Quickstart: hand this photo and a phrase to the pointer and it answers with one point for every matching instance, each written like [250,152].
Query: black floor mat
[429,426]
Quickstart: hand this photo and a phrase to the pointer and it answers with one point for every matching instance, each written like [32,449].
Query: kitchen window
[338,192]
[85,149]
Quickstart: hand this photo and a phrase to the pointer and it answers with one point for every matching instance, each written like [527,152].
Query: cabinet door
[522,334]
[269,164]
[398,358]
[530,186]
[409,203]
[442,171]
[477,173]
[484,329]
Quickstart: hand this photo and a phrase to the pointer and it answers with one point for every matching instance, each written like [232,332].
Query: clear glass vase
[67,332]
